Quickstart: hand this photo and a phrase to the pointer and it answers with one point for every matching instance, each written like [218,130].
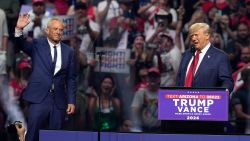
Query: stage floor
[52,135]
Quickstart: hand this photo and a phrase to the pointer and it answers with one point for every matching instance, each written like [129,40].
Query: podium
[193,110]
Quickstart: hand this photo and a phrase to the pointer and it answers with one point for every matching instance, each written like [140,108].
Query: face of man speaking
[199,38]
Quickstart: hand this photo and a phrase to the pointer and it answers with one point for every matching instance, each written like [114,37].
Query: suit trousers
[43,115]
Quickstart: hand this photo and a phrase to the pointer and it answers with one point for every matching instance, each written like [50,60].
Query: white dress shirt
[19,33]
[59,55]
[202,54]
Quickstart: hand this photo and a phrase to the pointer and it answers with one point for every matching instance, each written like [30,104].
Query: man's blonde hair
[204,26]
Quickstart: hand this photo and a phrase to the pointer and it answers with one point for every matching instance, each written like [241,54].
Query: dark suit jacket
[214,70]
[42,73]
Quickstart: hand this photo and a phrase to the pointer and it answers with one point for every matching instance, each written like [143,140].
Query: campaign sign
[112,60]
[193,104]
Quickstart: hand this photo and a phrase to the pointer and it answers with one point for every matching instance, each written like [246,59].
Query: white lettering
[210,102]
[183,102]
[206,110]
[193,109]
[192,102]
[175,102]
[201,102]
[200,109]
[179,109]
[186,109]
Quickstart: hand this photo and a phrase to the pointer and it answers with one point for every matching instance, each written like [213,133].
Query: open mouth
[195,43]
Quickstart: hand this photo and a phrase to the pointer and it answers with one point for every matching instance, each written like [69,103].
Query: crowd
[154,32]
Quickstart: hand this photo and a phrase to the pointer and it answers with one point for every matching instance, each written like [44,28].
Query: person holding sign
[52,84]
[203,66]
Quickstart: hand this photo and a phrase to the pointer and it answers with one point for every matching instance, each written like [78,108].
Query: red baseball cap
[24,63]
[34,1]
[154,70]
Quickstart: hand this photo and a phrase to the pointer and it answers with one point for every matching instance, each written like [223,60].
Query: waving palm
[22,21]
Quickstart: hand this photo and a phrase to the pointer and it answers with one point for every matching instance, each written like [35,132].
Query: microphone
[193,51]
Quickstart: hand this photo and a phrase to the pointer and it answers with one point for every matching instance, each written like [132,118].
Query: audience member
[61,6]
[242,39]
[223,27]
[17,85]
[108,11]
[217,41]
[144,106]
[241,104]
[243,64]
[171,58]
[126,126]
[163,20]
[150,9]
[11,9]
[3,46]
[87,29]
[38,17]
[104,107]
[137,56]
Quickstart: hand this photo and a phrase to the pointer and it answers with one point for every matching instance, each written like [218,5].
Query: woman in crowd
[104,108]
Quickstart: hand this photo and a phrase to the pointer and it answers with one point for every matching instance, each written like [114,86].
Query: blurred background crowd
[155,32]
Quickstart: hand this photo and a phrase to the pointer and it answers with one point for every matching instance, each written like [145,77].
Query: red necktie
[192,68]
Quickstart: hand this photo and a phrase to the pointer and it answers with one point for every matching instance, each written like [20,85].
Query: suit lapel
[205,62]
[63,57]
[185,64]
[189,56]
[47,57]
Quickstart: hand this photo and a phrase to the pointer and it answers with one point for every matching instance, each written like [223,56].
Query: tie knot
[54,46]
[198,52]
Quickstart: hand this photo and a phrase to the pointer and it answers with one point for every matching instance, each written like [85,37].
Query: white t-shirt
[148,102]
[37,31]
[113,11]
[3,32]
[172,61]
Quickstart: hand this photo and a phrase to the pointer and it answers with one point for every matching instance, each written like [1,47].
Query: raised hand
[23,20]
[181,11]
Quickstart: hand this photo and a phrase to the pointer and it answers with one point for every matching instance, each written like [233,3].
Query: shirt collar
[52,45]
[204,50]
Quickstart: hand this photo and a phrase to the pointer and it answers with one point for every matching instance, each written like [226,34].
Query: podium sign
[193,104]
